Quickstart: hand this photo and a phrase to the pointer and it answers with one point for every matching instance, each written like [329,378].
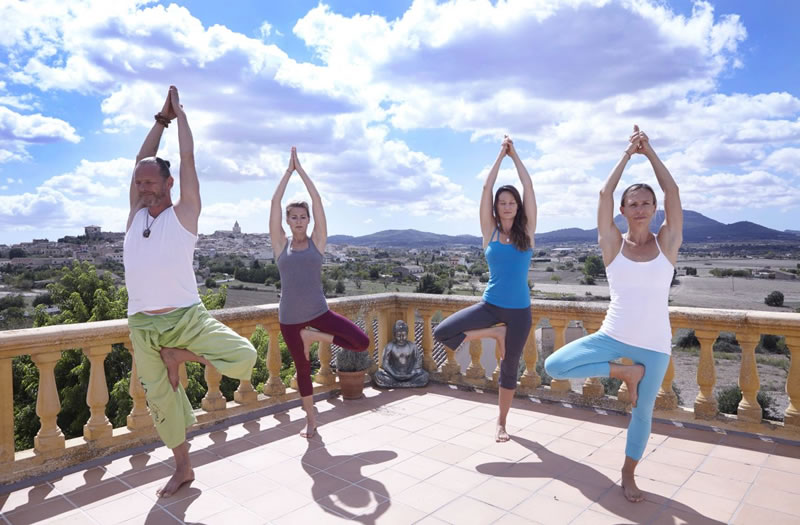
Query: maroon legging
[345,334]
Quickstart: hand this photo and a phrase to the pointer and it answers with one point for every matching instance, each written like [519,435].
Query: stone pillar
[98,426]
[369,318]
[792,414]
[559,336]
[245,393]
[475,373]
[325,374]
[427,341]
[6,412]
[450,370]
[384,329]
[274,386]
[592,387]
[530,380]
[705,405]
[622,394]
[667,399]
[213,400]
[49,438]
[749,409]
[411,321]
[139,418]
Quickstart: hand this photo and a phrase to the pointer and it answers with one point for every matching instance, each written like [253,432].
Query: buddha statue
[402,363]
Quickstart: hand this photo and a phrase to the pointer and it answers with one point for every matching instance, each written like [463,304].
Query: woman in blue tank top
[507,224]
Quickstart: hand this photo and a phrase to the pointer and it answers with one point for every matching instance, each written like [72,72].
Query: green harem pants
[194,329]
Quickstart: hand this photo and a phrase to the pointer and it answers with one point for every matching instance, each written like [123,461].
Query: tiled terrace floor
[428,456]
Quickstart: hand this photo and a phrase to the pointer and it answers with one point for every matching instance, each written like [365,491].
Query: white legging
[590,356]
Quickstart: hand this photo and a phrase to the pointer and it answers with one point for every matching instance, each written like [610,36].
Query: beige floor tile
[355,500]
[751,514]
[587,437]
[219,472]
[784,463]
[318,484]
[661,472]
[129,464]
[439,431]
[99,494]
[580,493]
[448,453]
[289,472]
[688,445]
[673,516]
[729,469]
[154,517]
[259,459]
[591,517]
[713,507]
[412,423]
[29,496]
[570,449]
[514,450]
[468,511]
[276,503]
[247,487]
[311,513]
[779,480]
[613,502]
[186,490]
[75,517]
[234,515]
[678,458]
[771,498]
[457,478]
[200,506]
[415,443]
[463,422]
[49,509]
[121,509]
[718,486]
[500,494]
[557,512]
[426,497]
[420,467]
[81,480]
[741,455]
[388,482]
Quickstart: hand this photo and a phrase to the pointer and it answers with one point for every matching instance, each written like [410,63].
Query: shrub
[772,344]
[687,339]
[728,400]
[774,299]
[546,379]
[691,271]
[350,361]
[677,390]
[211,283]
[611,385]
[727,342]
[549,269]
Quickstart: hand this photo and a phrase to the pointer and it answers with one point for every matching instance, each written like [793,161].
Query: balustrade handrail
[45,344]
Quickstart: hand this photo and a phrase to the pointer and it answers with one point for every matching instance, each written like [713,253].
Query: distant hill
[696,228]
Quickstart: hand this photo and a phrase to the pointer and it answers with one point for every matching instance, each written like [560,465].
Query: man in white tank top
[168,323]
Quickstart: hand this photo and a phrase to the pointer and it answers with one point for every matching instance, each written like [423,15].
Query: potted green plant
[351,367]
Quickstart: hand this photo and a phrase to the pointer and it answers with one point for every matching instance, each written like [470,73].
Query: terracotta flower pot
[352,384]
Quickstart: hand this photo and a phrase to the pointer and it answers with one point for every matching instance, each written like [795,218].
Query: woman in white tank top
[640,267]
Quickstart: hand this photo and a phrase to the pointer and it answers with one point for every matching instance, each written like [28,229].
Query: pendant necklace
[146,232]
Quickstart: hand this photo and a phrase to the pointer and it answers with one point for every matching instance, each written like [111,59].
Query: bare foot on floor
[635,374]
[501,436]
[500,340]
[631,491]
[305,335]
[171,362]
[310,431]
[175,483]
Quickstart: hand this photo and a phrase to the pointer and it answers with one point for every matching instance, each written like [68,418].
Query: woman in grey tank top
[303,313]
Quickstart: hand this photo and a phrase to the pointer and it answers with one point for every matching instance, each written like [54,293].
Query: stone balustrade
[53,452]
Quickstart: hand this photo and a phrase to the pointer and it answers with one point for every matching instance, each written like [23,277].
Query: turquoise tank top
[508,275]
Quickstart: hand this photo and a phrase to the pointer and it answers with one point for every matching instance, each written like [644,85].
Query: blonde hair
[298,204]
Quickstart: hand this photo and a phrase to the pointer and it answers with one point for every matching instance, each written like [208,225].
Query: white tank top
[639,311]
[158,268]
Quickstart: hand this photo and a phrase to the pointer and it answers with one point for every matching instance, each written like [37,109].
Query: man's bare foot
[306,336]
[634,374]
[501,436]
[168,355]
[500,340]
[174,484]
[631,491]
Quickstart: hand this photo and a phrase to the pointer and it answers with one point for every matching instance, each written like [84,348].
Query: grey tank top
[302,298]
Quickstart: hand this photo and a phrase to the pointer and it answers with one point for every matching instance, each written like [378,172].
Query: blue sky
[397,108]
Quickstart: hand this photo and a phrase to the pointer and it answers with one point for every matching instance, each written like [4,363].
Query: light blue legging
[590,356]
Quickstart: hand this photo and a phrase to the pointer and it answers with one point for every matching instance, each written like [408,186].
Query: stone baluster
[592,387]
[139,418]
[98,426]
[6,412]
[49,438]
[325,375]
[274,385]
[451,370]
[411,321]
[245,393]
[622,394]
[427,341]
[666,398]
[530,380]
[213,400]
[792,414]
[384,331]
[184,377]
[475,373]
[749,409]
[705,404]
[559,336]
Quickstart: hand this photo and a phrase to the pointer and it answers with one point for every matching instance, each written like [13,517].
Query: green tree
[14,253]
[429,284]
[774,299]
[555,277]
[340,286]
[593,266]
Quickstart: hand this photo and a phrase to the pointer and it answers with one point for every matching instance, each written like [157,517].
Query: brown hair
[298,204]
[639,186]
[519,228]
[163,165]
